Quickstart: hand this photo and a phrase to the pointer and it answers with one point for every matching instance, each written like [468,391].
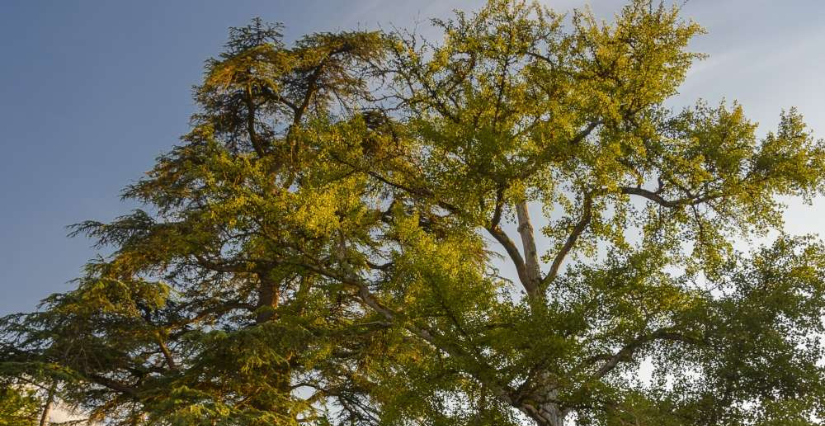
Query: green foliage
[18,408]
[344,237]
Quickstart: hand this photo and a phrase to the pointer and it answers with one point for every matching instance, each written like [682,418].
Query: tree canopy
[503,225]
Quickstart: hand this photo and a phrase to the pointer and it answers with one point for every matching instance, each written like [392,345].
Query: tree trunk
[544,408]
[47,407]
[546,414]
[528,241]
[267,298]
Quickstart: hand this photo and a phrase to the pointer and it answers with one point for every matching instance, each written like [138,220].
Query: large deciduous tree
[505,226]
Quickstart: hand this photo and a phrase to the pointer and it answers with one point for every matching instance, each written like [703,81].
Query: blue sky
[92,91]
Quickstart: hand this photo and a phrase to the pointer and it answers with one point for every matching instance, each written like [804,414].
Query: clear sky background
[92,91]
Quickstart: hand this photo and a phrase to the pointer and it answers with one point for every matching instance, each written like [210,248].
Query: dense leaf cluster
[18,407]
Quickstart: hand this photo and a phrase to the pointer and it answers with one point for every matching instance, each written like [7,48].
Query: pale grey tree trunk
[47,407]
[546,414]
[545,410]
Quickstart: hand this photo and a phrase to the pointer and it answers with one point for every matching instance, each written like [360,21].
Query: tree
[330,243]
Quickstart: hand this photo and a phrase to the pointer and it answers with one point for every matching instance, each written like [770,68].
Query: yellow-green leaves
[18,406]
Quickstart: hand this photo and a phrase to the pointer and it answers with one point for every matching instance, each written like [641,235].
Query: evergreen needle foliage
[18,407]
[324,247]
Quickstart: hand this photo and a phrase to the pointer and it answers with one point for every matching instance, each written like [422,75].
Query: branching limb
[626,352]
[658,199]
[581,225]
[509,245]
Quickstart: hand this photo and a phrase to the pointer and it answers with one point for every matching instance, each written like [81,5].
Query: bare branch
[514,254]
[655,197]
[584,220]
[509,245]
[626,353]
